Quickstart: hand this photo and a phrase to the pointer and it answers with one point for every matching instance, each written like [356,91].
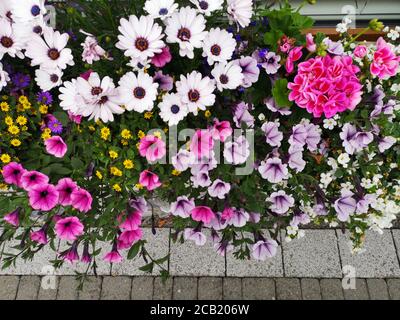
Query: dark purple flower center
[216,50]
[33,177]
[68,190]
[6,42]
[139,93]
[96,91]
[37,29]
[16,172]
[35,10]
[53,54]
[141,44]
[163,11]
[175,109]
[184,34]
[203,5]
[44,194]
[193,95]
[103,100]
[54,78]
[224,79]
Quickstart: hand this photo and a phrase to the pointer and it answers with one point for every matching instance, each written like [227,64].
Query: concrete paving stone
[310,289]
[185,288]
[48,288]
[162,289]
[359,293]
[67,288]
[379,259]
[158,247]
[28,288]
[116,288]
[210,288]
[258,289]
[288,289]
[91,289]
[331,289]
[188,259]
[232,288]
[377,289]
[313,256]
[8,287]
[142,288]
[394,288]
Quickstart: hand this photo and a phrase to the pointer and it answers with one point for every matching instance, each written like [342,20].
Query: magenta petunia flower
[39,236]
[202,213]
[149,180]
[69,228]
[202,143]
[221,130]
[152,147]
[310,44]
[86,257]
[13,217]
[360,51]
[43,197]
[32,178]
[56,146]
[127,238]
[71,254]
[12,173]
[81,200]
[132,221]
[113,256]
[161,59]
[65,188]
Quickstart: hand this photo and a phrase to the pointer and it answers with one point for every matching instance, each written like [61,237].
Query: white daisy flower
[6,9]
[172,111]
[195,91]
[140,38]
[48,79]
[10,43]
[208,6]
[240,11]
[100,96]
[137,92]
[70,98]
[228,76]
[219,46]
[186,28]
[25,30]
[160,8]
[3,77]
[50,52]
[28,10]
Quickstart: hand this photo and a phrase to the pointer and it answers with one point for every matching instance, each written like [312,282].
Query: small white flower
[347,186]
[366,183]
[333,163]
[261,117]
[344,159]
[330,123]
[341,27]
[393,35]
[326,178]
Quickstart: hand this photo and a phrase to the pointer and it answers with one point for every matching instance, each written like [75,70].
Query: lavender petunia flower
[299,135]
[217,223]
[345,205]
[219,189]
[197,237]
[237,152]
[201,179]
[378,95]
[139,204]
[296,161]
[386,143]
[204,164]
[239,218]
[272,133]
[347,136]
[254,217]
[313,136]
[182,207]
[223,247]
[268,60]
[183,160]
[250,70]
[362,140]
[165,82]
[271,105]
[242,115]
[264,249]
[273,170]
[364,203]
[280,202]
[335,48]
[300,218]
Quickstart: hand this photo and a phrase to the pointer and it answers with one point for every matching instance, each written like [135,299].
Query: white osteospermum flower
[219,46]
[25,30]
[28,10]
[208,6]
[70,99]
[227,76]
[10,43]
[50,52]
[100,96]
[6,9]
[48,79]
[140,38]
[186,28]
[138,92]
[240,11]
[172,111]
[195,91]
[3,77]
[160,8]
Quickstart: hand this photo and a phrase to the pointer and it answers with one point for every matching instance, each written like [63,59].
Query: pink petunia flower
[71,255]
[113,256]
[202,143]
[221,130]
[81,200]
[152,147]
[69,228]
[39,236]
[132,221]
[264,249]
[149,180]
[13,217]
[12,173]
[385,63]
[43,197]
[127,238]
[56,146]
[32,178]
[202,213]
[161,59]
[65,188]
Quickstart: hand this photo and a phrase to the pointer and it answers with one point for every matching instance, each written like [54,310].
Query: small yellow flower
[128,164]
[3,186]
[99,175]
[165,130]
[23,99]
[20,108]
[91,128]
[148,115]
[24,128]
[15,142]
[46,134]
[43,109]
[176,172]
[138,145]
[207,114]
[27,105]
[126,134]
[117,187]
[115,171]
[21,120]
[138,186]
[8,120]
[4,97]
[157,134]
[124,142]
[105,133]
[13,129]
[141,134]
[4,106]
[5,158]
[113,154]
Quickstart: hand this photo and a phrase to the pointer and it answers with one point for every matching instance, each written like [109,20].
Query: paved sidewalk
[197,288]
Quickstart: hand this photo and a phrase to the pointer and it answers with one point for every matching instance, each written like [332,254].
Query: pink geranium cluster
[326,85]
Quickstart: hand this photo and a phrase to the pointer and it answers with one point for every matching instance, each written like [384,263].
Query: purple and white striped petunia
[345,206]
[273,170]
[264,249]
[280,202]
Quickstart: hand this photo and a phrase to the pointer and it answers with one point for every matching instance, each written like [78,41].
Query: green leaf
[147,268]
[134,250]
[280,92]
